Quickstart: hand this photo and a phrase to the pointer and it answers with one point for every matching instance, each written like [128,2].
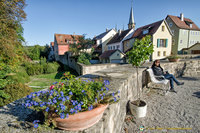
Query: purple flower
[104,94]
[107,88]
[67,115]
[70,93]
[35,121]
[56,110]
[118,96]
[102,89]
[62,115]
[81,103]
[113,94]
[115,99]
[62,94]
[83,91]
[90,108]
[71,111]
[36,125]
[54,101]
[63,99]
[47,109]
[76,111]
[55,83]
[106,82]
[67,97]
[118,91]
[96,100]
[102,98]
[29,96]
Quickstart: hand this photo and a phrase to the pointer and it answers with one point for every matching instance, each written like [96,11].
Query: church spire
[131,24]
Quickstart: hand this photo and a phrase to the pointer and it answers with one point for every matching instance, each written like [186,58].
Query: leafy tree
[141,51]
[11,49]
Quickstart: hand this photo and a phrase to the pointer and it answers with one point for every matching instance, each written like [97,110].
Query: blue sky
[92,17]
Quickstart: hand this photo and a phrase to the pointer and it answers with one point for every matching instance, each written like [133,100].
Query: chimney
[182,16]
[106,29]
[119,31]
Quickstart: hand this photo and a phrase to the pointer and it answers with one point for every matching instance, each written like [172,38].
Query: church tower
[131,24]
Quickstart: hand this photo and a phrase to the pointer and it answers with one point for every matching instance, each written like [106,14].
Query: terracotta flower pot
[173,59]
[81,120]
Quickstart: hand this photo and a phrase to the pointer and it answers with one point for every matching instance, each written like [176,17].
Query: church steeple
[131,24]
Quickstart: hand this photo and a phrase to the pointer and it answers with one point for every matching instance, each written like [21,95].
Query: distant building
[61,44]
[51,55]
[194,49]
[161,38]
[185,32]
[117,41]
[112,56]
[102,39]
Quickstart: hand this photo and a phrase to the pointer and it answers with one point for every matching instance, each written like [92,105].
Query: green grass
[44,80]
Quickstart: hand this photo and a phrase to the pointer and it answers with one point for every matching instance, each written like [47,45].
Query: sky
[91,17]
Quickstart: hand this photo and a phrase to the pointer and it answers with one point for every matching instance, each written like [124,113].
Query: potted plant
[141,51]
[173,58]
[74,104]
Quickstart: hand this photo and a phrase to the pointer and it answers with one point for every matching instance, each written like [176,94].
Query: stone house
[185,32]
[112,56]
[161,38]
[51,55]
[194,49]
[61,44]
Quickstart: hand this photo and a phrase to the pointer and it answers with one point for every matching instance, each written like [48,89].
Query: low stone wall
[189,56]
[123,79]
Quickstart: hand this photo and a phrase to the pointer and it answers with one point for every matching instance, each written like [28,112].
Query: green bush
[13,92]
[51,68]
[84,58]
[20,76]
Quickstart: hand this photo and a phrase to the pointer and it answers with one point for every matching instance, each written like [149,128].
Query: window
[163,28]
[158,53]
[117,46]
[181,41]
[170,24]
[113,47]
[117,54]
[162,43]
[164,53]
[145,31]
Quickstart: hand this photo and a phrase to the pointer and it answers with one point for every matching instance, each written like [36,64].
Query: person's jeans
[171,78]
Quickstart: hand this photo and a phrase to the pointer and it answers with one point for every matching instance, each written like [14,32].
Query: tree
[11,31]
[141,51]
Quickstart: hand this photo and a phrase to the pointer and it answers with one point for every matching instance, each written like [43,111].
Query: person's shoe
[172,90]
[180,83]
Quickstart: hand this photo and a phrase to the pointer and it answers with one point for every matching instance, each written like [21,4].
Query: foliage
[141,51]
[13,92]
[41,68]
[70,97]
[174,57]
[85,58]
[20,76]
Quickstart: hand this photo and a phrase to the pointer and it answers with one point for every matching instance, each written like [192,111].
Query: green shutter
[158,43]
[166,42]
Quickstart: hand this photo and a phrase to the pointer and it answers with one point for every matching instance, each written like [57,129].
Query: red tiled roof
[107,53]
[62,38]
[151,27]
[183,24]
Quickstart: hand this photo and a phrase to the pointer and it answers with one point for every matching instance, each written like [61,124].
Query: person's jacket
[158,71]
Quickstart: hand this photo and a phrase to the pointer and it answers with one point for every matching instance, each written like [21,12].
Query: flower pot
[81,120]
[173,59]
[138,111]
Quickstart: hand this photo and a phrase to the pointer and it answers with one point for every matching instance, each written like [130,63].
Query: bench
[164,82]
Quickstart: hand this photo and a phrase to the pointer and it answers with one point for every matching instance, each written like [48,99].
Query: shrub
[84,58]
[51,67]
[13,92]
[20,76]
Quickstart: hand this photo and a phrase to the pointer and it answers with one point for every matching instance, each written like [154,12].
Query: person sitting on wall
[158,71]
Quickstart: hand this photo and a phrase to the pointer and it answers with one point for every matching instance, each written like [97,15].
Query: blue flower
[29,96]
[106,82]
[36,125]
[115,99]
[102,89]
[83,91]
[107,88]
[76,111]
[67,97]
[71,111]
[118,91]
[35,121]
[56,110]
[90,108]
[54,101]
[104,94]
[113,94]
[55,83]
[62,94]
[96,100]
[81,103]
[70,93]
[63,99]
[102,98]
[67,115]
[62,115]
[47,109]
[118,96]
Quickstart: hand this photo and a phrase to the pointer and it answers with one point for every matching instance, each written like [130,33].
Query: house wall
[195,47]
[116,56]
[183,38]
[106,39]
[128,44]
[162,35]
[114,44]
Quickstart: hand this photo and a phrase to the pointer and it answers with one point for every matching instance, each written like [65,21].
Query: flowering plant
[70,97]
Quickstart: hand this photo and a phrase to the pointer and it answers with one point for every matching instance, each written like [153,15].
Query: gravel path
[170,113]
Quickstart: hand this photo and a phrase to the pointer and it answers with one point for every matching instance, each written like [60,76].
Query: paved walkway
[170,113]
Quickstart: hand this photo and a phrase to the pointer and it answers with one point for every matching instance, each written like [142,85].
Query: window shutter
[158,43]
[166,42]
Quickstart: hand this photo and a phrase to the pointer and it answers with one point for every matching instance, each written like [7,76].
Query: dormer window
[190,25]
[163,28]
[145,31]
